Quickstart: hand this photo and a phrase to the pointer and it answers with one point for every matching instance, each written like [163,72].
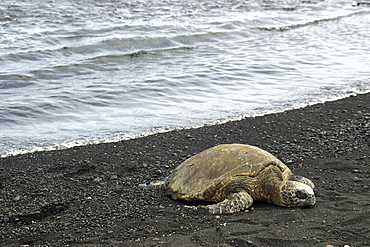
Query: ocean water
[88,71]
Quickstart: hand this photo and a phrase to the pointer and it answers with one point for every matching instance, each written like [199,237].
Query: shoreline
[124,137]
[89,195]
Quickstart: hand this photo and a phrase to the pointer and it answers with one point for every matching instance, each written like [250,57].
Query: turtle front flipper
[235,202]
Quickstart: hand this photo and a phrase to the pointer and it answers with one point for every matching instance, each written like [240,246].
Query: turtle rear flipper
[235,202]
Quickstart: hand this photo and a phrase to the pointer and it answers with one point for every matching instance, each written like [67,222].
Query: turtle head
[294,193]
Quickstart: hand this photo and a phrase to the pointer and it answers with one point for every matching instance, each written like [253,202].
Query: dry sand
[90,195]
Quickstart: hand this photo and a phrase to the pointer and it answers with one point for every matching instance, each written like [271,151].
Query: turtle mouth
[310,202]
[309,206]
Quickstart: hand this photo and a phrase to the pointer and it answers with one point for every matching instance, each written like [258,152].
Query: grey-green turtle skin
[232,176]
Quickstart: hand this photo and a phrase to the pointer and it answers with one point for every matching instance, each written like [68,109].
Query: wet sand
[90,195]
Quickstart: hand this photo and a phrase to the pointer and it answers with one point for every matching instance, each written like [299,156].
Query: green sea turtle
[233,176]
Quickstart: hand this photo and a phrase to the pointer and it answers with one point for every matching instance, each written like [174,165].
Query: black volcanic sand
[90,195]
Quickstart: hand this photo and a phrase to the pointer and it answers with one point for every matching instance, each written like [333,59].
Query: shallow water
[76,72]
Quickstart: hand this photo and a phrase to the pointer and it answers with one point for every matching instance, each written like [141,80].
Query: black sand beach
[90,195]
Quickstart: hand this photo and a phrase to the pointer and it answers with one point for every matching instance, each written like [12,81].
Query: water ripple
[309,23]
[75,72]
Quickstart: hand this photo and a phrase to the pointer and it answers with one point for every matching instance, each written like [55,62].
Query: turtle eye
[301,194]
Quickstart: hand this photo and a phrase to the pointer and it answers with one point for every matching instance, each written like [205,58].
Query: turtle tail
[159,185]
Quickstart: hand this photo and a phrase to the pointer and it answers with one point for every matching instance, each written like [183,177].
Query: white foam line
[124,137]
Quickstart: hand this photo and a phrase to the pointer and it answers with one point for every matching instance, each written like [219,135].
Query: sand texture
[90,195]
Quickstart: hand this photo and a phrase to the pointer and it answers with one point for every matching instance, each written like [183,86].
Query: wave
[358,88]
[49,62]
[309,23]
